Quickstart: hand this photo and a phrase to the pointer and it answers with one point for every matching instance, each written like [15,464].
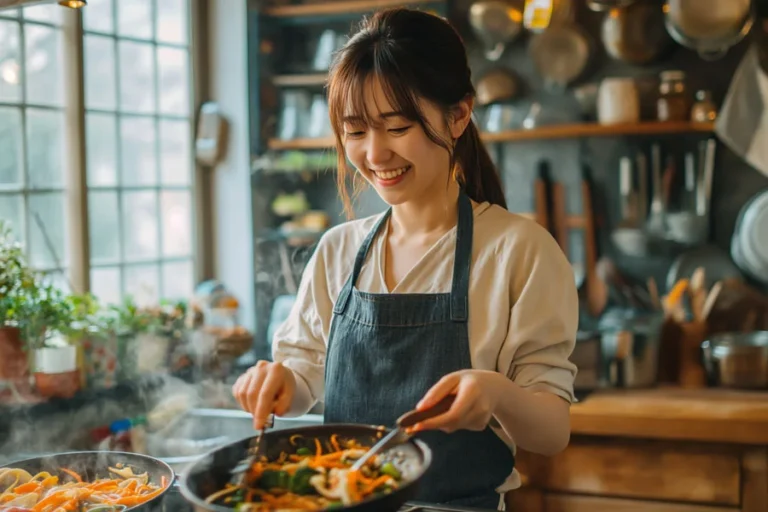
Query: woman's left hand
[476,401]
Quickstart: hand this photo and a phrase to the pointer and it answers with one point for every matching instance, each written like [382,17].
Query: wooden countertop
[712,415]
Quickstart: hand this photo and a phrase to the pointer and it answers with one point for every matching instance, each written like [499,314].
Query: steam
[25,433]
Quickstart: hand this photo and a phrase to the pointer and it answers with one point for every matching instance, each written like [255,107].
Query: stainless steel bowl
[737,360]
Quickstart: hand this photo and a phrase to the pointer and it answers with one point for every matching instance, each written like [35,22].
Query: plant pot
[56,372]
[14,361]
[57,385]
[99,361]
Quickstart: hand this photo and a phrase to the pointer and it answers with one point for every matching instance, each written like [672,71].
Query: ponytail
[478,174]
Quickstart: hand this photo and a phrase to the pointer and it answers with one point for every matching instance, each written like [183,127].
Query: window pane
[101,149]
[42,63]
[142,282]
[178,280]
[135,18]
[174,81]
[9,13]
[139,164]
[50,209]
[105,283]
[175,161]
[99,16]
[12,210]
[177,223]
[58,279]
[137,76]
[104,226]
[50,13]
[172,21]
[10,147]
[10,71]
[45,148]
[100,84]
[140,225]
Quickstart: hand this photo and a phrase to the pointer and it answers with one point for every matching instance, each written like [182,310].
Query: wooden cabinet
[672,464]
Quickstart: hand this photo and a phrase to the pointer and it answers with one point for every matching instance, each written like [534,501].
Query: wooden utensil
[596,289]
[653,291]
[697,293]
[711,299]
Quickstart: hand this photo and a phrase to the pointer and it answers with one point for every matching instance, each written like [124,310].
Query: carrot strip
[72,474]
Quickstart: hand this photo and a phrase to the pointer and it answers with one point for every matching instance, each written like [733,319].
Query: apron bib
[385,351]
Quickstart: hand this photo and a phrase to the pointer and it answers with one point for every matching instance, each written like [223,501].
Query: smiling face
[391,150]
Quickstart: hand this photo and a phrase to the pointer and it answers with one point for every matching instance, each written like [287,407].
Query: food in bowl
[67,490]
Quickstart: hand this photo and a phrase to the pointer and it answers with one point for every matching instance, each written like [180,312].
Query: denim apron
[385,351]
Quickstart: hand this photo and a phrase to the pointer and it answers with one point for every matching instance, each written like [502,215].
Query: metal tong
[255,450]
[400,434]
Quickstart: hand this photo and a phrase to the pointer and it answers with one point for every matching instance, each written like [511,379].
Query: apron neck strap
[461,263]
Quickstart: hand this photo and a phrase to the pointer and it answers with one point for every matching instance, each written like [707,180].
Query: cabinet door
[642,470]
[568,503]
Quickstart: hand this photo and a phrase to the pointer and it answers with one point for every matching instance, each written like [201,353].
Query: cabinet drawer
[640,469]
[566,503]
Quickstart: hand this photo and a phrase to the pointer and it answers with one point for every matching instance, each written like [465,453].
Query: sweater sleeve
[543,321]
[299,343]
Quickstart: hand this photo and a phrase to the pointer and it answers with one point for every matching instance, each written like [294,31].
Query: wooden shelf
[317,79]
[338,7]
[564,131]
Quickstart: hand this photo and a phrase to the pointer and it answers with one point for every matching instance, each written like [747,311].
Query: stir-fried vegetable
[310,479]
[44,492]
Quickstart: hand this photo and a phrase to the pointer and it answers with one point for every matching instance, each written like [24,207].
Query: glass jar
[704,109]
[673,103]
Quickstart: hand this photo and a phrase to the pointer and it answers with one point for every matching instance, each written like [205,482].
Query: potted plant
[45,316]
[129,325]
[16,282]
[96,346]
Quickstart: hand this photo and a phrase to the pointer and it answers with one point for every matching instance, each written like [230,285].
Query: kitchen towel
[743,120]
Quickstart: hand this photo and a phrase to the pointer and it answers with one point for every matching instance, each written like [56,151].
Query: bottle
[673,103]
[139,435]
[537,14]
[121,435]
[704,110]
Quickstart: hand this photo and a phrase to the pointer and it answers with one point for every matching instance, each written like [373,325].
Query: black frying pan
[211,472]
[94,465]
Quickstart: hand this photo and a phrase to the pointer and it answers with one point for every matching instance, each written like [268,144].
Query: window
[137,88]
[138,135]
[32,170]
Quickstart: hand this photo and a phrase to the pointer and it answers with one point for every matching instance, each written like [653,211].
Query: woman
[445,293]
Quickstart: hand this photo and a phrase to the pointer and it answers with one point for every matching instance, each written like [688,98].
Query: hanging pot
[635,34]
[709,27]
[495,23]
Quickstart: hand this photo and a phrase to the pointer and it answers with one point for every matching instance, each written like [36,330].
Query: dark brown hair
[415,55]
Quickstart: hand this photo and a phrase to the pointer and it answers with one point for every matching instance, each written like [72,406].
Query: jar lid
[672,74]
[120,426]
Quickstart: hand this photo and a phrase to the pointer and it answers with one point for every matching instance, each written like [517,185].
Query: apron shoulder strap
[362,253]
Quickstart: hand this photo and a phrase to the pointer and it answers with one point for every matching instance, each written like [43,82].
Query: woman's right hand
[264,389]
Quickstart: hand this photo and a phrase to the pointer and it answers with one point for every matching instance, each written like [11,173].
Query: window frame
[75,187]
